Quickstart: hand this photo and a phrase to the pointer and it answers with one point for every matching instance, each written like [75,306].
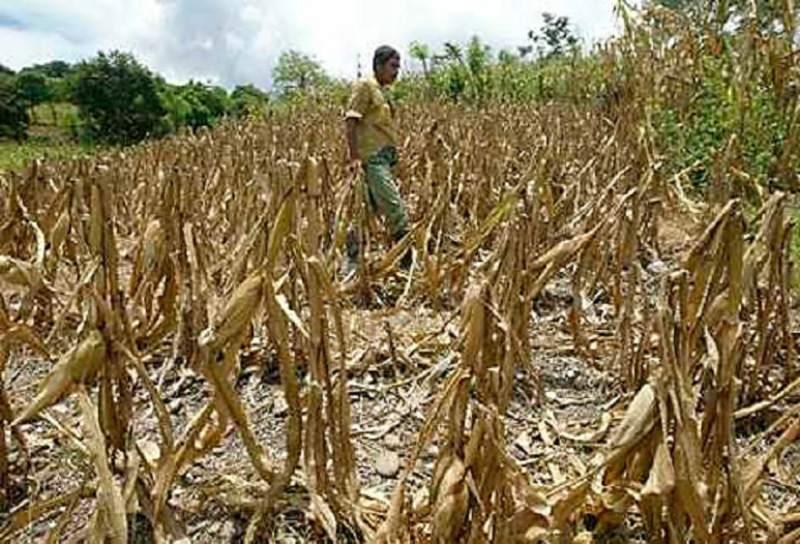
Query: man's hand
[353,162]
[353,165]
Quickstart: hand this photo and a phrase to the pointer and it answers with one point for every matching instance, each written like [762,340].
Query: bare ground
[398,359]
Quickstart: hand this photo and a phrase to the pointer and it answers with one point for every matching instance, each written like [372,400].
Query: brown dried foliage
[200,244]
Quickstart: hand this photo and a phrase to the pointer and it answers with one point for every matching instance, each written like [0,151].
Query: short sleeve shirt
[375,128]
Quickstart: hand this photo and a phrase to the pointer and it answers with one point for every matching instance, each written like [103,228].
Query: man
[372,145]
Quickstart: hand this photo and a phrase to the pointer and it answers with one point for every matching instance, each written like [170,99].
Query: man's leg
[386,197]
[383,192]
[353,241]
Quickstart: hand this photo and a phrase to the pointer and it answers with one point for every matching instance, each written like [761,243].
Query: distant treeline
[118,100]
[708,87]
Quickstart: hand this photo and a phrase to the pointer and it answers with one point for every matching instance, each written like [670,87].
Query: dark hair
[382,55]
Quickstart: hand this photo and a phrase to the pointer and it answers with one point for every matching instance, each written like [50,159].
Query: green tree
[61,89]
[248,100]
[176,107]
[13,111]
[194,104]
[555,37]
[452,74]
[5,70]
[207,103]
[771,17]
[33,88]
[54,69]
[298,72]
[421,52]
[117,98]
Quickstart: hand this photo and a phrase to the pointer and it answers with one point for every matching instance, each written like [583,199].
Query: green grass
[57,114]
[50,136]
[15,156]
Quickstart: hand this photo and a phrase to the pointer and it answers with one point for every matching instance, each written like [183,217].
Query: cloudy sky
[237,41]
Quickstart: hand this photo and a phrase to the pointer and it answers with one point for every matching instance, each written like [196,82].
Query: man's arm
[352,143]
[357,108]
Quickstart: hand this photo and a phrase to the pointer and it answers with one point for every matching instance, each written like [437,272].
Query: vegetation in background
[14,116]
[117,99]
[15,155]
[194,104]
[714,84]
[296,72]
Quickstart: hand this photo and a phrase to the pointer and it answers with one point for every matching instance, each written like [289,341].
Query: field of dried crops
[583,350]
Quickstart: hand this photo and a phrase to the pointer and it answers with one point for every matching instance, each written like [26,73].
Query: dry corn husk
[78,366]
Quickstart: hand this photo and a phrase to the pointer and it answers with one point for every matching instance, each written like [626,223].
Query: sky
[232,42]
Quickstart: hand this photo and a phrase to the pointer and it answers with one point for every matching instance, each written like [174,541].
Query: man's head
[386,64]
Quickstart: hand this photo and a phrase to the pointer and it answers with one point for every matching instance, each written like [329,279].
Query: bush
[697,134]
[117,99]
[194,105]
[249,100]
[14,118]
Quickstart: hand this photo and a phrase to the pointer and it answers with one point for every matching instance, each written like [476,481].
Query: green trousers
[382,196]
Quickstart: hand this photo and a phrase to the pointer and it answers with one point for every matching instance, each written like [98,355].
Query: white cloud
[23,47]
[238,41]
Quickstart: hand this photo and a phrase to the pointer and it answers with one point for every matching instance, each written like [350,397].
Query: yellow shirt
[375,127]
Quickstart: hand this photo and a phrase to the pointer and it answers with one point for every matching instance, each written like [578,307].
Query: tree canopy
[296,71]
[117,98]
